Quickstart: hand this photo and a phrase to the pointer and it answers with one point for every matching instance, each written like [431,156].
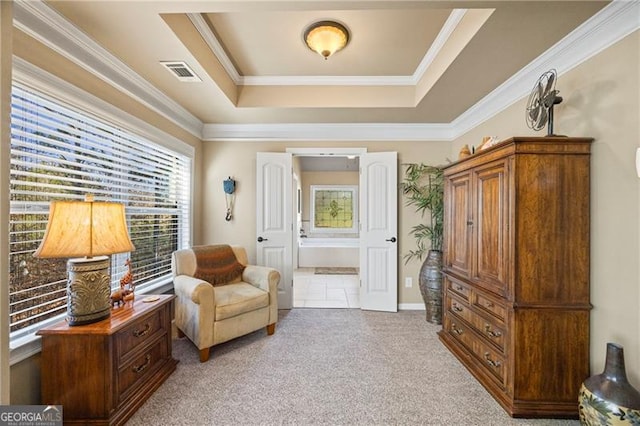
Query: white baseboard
[411,307]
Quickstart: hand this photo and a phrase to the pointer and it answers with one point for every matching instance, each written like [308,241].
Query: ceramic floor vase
[608,398]
[430,282]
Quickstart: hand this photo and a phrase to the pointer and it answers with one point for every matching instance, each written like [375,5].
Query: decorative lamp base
[88,290]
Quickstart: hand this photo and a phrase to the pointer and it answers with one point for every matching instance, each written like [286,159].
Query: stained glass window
[334,208]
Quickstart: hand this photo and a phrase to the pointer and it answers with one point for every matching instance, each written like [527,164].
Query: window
[334,208]
[58,153]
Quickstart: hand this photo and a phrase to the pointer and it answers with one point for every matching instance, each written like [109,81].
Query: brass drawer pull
[489,305]
[457,308]
[491,333]
[491,362]
[141,368]
[140,333]
[459,288]
[455,329]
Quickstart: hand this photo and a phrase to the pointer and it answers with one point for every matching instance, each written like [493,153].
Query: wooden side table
[101,373]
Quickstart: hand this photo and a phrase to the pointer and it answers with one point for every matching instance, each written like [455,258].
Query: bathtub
[313,252]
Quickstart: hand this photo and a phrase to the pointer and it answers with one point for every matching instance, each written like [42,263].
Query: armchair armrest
[194,309]
[262,277]
[194,289]
[267,279]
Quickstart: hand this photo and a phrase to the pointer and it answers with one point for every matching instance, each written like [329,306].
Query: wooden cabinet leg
[204,354]
[271,328]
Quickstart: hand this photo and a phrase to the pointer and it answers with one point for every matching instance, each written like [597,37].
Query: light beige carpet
[327,367]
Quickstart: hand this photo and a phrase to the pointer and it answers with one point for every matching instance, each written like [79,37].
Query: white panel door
[378,232]
[274,225]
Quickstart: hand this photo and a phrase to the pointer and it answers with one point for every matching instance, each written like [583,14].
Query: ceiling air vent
[181,71]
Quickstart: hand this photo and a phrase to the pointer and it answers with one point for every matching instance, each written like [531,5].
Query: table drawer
[139,333]
[137,369]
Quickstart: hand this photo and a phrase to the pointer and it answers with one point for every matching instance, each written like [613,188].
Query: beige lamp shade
[85,228]
[326,37]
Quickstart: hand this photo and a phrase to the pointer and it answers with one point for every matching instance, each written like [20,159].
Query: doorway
[377,242]
[327,244]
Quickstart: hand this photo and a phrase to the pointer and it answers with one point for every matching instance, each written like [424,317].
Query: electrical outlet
[408,282]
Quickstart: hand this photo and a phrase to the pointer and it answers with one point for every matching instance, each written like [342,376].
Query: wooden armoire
[516,271]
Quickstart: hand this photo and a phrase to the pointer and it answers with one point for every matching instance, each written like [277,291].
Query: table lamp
[86,232]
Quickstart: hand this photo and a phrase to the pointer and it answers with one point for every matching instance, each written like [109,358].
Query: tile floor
[325,291]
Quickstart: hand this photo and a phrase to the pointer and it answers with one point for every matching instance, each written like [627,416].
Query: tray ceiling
[407,61]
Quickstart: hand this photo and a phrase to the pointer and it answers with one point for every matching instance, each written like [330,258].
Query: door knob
[392,239]
[260,239]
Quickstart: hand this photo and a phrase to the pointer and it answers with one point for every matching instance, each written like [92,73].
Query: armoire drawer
[489,305]
[492,361]
[491,331]
[460,331]
[457,307]
[458,288]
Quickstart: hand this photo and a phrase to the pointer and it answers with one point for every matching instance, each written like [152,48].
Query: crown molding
[214,44]
[46,25]
[614,22]
[447,29]
[361,132]
[328,80]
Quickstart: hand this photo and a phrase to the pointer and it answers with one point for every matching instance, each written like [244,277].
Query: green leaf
[423,188]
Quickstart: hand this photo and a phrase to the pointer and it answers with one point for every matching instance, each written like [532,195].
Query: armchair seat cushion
[238,299]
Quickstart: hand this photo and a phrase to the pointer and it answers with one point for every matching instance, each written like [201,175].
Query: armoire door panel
[490,228]
[458,222]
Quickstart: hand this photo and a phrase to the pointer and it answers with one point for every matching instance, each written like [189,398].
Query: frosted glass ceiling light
[326,37]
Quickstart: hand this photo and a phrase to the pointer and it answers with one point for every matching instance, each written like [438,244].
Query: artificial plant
[423,187]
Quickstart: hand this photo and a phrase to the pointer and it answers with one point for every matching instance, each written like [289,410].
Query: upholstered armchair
[220,298]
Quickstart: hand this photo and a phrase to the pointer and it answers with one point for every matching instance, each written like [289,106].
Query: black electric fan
[541,101]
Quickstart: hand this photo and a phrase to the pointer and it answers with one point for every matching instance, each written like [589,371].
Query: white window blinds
[58,153]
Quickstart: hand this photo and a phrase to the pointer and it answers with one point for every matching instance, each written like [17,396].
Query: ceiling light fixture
[326,37]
